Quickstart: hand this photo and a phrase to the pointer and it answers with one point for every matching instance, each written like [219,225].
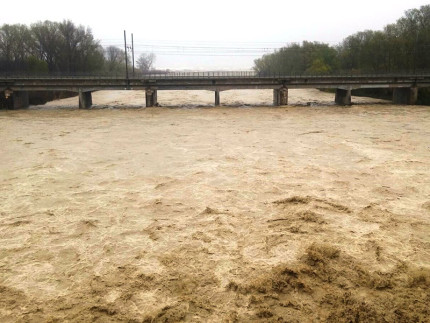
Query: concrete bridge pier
[85,100]
[217,98]
[343,97]
[20,99]
[151,98]
[280,96]
[15,99]
[405,95]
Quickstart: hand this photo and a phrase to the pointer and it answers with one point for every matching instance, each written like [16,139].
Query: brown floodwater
[296,213]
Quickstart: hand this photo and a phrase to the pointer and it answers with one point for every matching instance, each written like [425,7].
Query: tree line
[60,47]
[399,47]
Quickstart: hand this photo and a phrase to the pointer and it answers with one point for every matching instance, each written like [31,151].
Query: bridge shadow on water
[236,99]
[311,104]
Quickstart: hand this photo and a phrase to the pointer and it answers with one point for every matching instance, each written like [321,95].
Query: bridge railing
[205,75]
[149,75]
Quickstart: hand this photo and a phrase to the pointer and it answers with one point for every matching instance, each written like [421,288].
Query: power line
[177,47]
[212,55]
[146,41]
[206,48]
[199,50]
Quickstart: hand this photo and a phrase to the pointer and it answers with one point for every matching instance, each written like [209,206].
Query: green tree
[309,57]
[318,67]
[36,66]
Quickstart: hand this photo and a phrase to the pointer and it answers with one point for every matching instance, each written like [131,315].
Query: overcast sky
[212,35]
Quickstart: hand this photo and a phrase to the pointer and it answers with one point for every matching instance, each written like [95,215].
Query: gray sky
[213,35]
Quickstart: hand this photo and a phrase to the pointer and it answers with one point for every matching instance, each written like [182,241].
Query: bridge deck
[209,81]
[405,85]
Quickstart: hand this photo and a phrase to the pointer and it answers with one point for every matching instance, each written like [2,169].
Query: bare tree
[71,38]
[16,44]
[145,62]
[115,59]
[47,38]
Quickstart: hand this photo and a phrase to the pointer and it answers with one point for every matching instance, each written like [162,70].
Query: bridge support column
[280,96]
[85,100]
[20,100]
[4,100]
[405,95]
[343,97]
[217,98]
[151,98]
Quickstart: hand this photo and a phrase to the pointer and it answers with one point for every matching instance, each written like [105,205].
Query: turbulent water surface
[293,213]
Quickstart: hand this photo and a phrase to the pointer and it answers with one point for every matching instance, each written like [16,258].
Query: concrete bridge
[405,86]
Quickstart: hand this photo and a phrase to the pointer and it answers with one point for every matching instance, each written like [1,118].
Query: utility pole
[126,62]
[415,51]
[132,51]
